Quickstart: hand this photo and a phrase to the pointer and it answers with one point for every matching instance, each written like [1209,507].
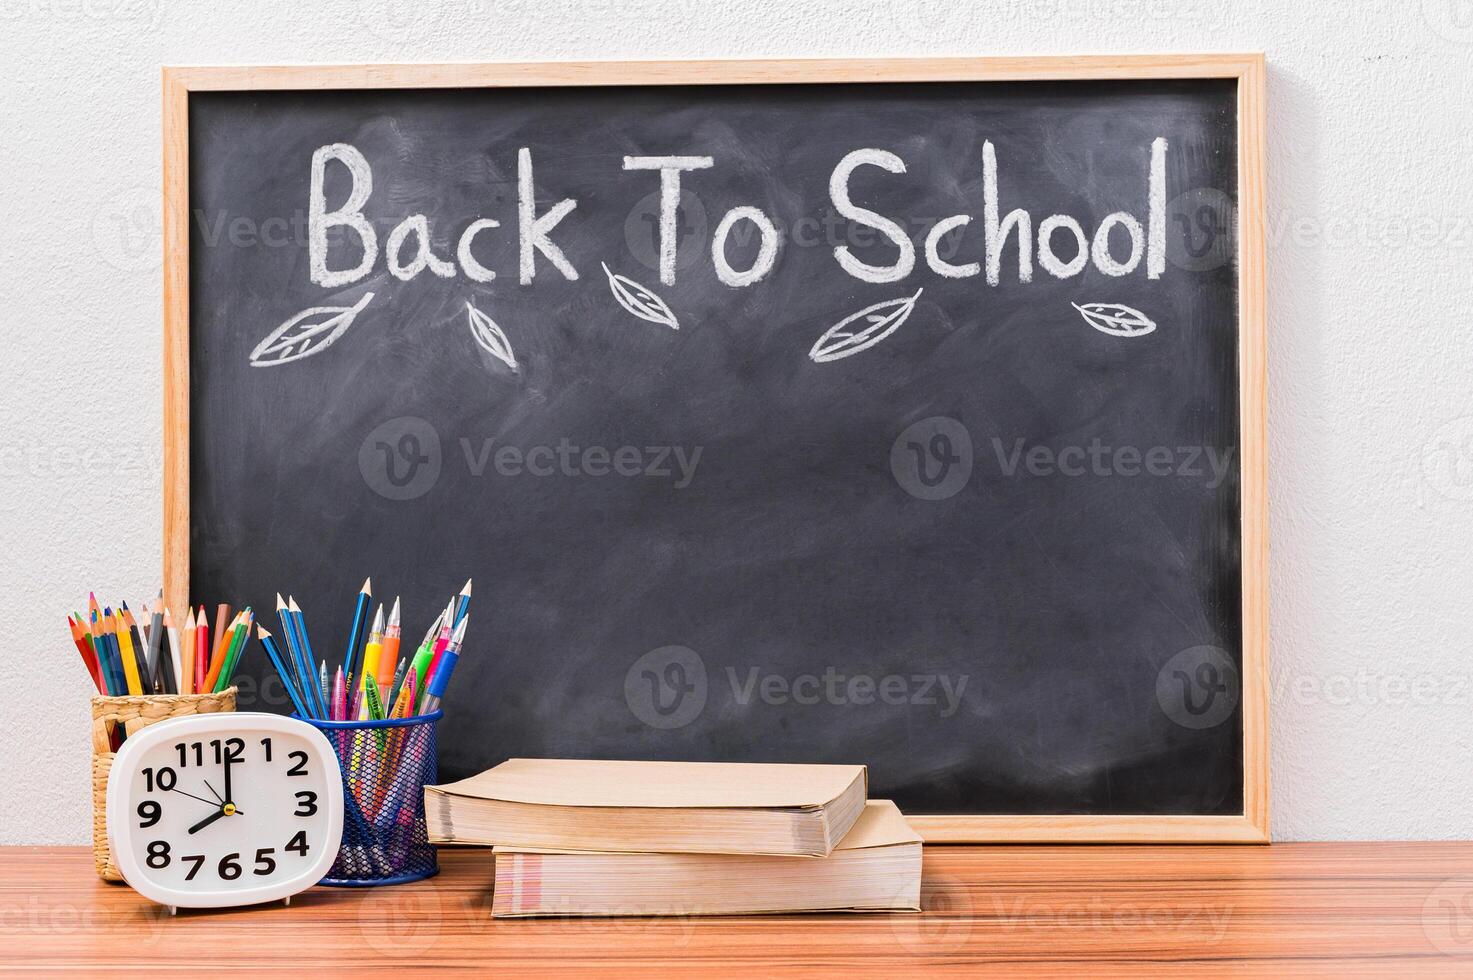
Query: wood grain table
[1288,909]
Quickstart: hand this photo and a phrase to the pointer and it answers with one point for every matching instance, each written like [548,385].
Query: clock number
[230,867]
[298,843]
[150,812]
[197,860]
[183,749]
[164,779]
[234,749]
[300,769]
[266,744]
[263,856]
[158,854]
[306,804]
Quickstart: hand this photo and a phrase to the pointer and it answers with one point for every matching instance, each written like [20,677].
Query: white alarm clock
[230,808]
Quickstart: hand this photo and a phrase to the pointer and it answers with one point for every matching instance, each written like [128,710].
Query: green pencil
[232,654]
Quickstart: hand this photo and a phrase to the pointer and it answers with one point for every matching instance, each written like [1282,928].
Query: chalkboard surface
[851,500]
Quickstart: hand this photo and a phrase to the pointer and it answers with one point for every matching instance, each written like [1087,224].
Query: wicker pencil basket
[131,714]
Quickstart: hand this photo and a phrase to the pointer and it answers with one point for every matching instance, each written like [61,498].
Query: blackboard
[969,513]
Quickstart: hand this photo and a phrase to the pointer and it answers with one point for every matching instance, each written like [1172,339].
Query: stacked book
[576,837]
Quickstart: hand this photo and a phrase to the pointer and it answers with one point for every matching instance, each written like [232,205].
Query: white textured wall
[1371,340]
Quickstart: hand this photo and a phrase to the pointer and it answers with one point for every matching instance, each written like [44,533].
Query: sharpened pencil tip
[367,587]
[291,604]
[262,632]
[280,602]
[467,589]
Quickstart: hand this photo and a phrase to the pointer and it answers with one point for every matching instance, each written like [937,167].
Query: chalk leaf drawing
[638,300]
[489,336]
[864,329]
[1115,319]
[309,332]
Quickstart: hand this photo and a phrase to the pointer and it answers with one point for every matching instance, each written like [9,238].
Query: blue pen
[360,618]
[281,670]
[464,605]
[446,667]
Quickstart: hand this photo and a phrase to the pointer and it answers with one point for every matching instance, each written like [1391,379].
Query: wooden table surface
[1084,911]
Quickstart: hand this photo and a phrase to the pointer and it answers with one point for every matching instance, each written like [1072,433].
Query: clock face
[225,809]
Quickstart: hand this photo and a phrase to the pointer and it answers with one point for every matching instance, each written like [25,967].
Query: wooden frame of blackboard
[1247,70]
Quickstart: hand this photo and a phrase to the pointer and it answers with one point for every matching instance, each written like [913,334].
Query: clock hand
[207,821]
[218,798]
[193,797]
[229,761]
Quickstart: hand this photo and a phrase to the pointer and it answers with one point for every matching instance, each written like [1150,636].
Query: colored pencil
[217,659]
[220,638]
[139,644]
[301,662]
[277,661]
[138,631]
[375,648]
[238,636]
[291,641]
[299,619]
[177,655]
[155,643]
[119,628]
[360,619]
[201,652]
[94,640]
[190,639]
[112,669]
[89,657]
[168,658]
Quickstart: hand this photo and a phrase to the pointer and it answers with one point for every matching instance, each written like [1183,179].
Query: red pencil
[88,656]
[201,650]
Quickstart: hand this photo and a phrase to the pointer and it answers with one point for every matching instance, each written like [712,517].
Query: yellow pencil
[125,647]
[371,655]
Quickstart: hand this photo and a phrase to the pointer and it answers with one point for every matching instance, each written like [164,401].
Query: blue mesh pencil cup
[386,767]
